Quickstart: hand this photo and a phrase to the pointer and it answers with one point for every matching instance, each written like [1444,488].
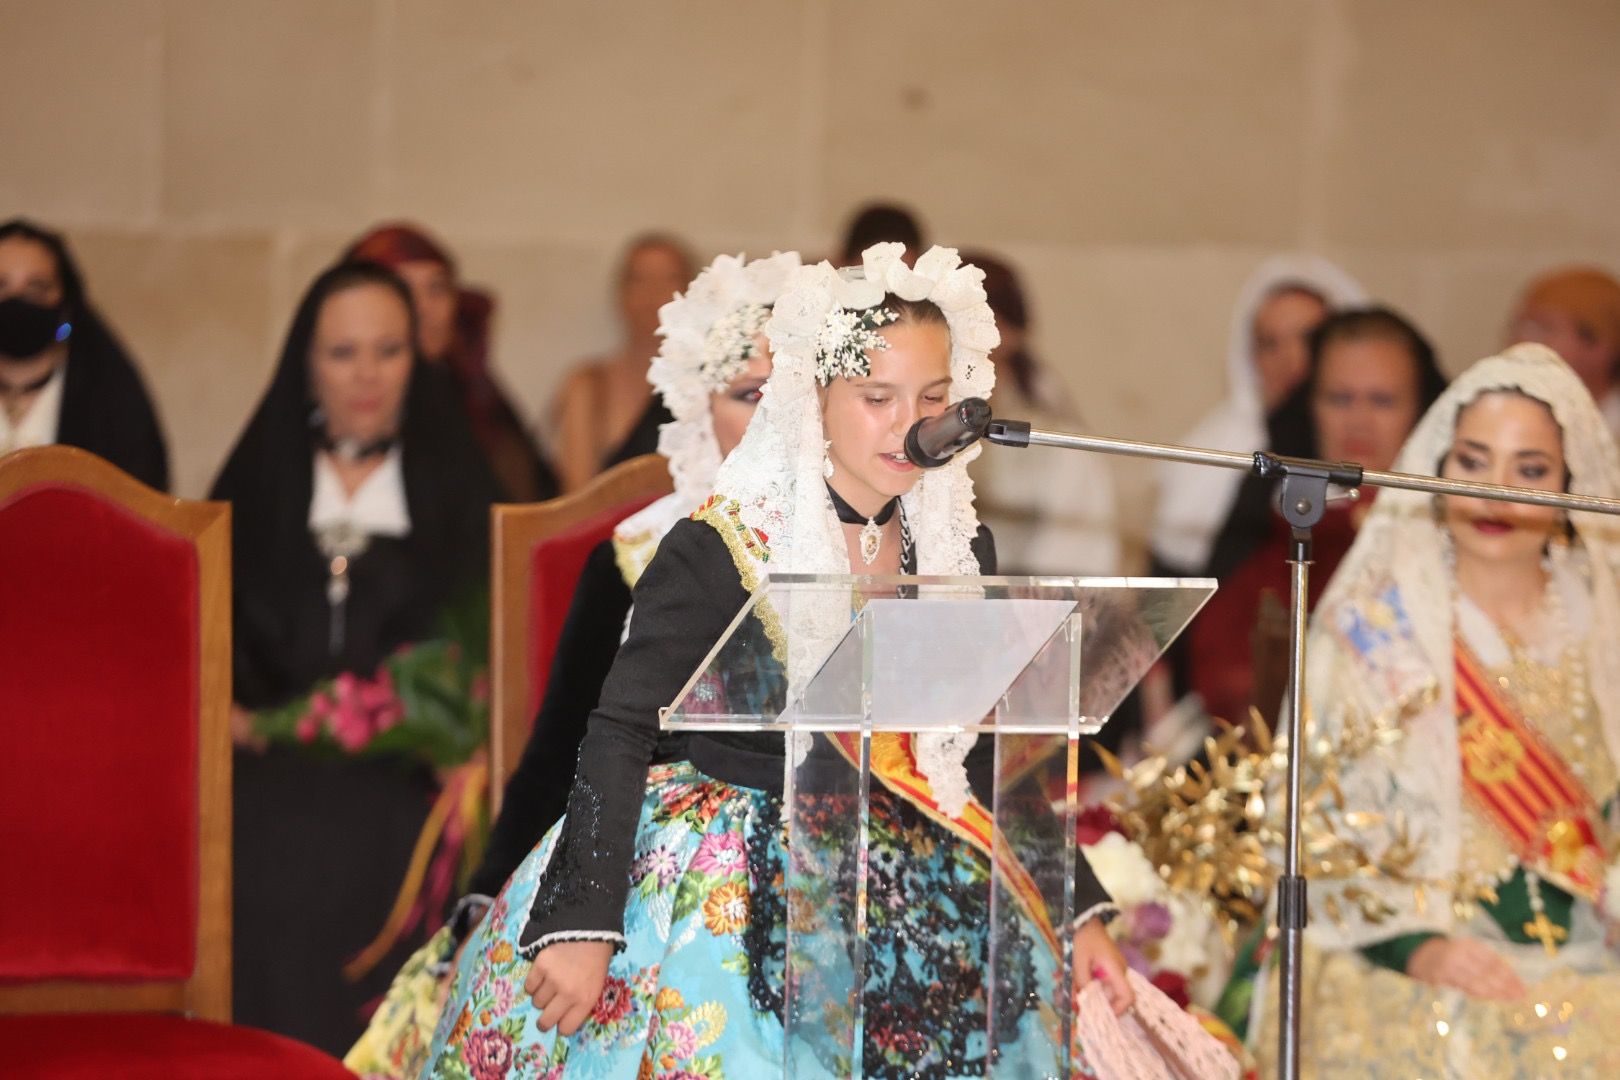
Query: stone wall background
[1135,160]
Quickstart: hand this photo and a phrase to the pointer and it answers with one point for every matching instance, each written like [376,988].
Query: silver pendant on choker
[871,541]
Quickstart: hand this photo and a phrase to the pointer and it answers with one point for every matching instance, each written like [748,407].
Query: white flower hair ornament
[709,333]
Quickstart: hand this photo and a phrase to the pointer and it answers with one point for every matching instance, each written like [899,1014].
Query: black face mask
[27,329]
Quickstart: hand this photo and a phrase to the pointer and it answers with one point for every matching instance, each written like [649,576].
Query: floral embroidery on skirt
[696,994]
[395,1043]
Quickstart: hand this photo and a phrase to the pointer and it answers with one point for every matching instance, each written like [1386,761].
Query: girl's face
[732,408]
[866,419]
[1365,402]
[433,292]
[360,361]
[1282,328]
[1504,438]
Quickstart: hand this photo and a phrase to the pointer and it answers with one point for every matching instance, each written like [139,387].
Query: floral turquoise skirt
[696,993]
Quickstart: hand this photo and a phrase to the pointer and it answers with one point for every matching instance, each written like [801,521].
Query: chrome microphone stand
[1303,497]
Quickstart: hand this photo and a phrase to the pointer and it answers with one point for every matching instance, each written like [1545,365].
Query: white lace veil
[685,375]
[775,475]
[1396,583]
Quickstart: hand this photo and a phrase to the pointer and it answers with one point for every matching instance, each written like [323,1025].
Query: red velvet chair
[115,787]
[539,551]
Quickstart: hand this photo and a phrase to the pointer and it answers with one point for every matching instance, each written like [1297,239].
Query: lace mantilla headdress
[773,482]
[709,333]
[1395,585]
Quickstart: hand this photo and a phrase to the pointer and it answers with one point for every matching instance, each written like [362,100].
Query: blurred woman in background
[606,411]
[1575,312]
[359,518]
[453,333]
[64,377]
[1370,376]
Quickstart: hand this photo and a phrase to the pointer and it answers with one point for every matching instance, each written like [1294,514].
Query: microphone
[934,440]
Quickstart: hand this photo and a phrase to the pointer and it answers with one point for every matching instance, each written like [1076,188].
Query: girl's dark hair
[915,311]
[336,279]
[1384,324]
[67,271]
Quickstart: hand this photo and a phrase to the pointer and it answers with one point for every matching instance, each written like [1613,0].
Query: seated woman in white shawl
[1462,671]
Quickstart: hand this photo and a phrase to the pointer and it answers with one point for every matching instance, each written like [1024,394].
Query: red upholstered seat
[98,717]
[115,795]
[554,568]
[539,550]
[87,1046]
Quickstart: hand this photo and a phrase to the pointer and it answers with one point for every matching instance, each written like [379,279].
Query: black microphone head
[934,440]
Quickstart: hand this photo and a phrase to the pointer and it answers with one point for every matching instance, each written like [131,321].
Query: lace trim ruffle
[531,950]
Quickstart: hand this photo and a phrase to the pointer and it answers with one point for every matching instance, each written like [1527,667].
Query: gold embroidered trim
[750,550]
[632,554]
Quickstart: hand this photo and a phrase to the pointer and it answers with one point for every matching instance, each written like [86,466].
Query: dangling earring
[826,462]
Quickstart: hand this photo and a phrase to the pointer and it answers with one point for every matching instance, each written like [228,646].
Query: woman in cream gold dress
[1462,670]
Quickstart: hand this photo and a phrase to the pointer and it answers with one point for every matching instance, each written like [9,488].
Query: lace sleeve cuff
[529,951]
[1106,911]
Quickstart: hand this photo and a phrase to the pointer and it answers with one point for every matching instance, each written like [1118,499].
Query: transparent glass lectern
[926,913]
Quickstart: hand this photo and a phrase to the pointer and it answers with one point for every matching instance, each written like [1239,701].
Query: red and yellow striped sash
[1523,787]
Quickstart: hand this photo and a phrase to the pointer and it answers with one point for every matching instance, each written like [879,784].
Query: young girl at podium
[645,934]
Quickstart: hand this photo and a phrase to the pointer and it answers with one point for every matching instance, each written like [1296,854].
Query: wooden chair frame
[515,529]
[207,526]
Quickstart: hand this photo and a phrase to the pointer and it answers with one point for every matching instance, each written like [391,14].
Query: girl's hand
[1097,957]
[566,981]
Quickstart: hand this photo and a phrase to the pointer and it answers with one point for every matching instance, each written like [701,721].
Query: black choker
[354,451]
[871,527]
[7,390]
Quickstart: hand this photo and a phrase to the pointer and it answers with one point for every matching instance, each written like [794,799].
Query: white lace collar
[377,507]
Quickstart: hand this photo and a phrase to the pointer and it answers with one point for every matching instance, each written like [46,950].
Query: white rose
[858,294]
[1185,949]
[907,284]
[799,313]
[769,277]
[1124,871]
[975,330]
[879,258]
[959,290]
[726,272]
[937,263]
